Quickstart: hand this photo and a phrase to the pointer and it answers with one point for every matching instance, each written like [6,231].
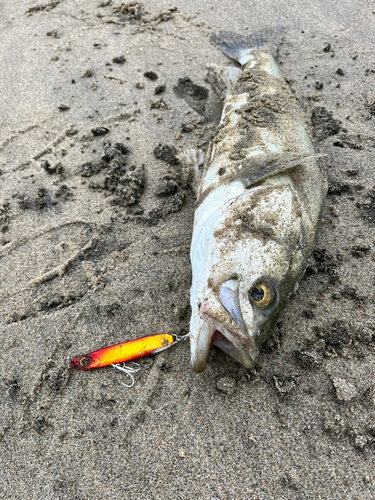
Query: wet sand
[96,216]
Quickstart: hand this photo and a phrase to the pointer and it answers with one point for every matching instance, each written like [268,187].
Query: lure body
[121,353]
[259,198]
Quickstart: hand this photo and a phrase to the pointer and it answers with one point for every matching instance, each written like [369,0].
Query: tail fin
[239,47]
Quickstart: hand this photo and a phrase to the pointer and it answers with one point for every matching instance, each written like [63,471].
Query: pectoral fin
[222,79]
[192,160]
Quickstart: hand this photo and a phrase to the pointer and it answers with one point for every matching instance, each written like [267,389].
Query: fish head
[255,264]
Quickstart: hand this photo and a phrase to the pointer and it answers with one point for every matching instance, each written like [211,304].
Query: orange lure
[120,353]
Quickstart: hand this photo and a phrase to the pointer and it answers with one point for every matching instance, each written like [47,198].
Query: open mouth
[232,342]
[220,322]
[220,341]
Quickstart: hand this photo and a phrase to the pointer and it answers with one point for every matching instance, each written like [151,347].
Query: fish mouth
[243,352]
[220,341]
[232,343]
[220,323]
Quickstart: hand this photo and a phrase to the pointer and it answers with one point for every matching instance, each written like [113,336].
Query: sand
[94,250]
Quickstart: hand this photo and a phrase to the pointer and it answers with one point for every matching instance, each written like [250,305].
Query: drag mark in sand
[42,257]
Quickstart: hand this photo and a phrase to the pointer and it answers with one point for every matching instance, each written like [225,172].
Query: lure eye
[262,294]
[83,361]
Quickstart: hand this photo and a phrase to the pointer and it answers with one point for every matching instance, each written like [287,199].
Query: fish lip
[229,298]
[199,367]
[200,340]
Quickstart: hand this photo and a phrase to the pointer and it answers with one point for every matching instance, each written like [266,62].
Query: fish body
[259,200]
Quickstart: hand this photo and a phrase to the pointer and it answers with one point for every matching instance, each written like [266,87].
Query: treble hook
[128,370]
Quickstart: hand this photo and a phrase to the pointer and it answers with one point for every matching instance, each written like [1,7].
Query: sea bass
[260,193]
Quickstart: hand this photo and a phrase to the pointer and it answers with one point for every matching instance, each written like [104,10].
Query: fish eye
[262,294]
[83,361]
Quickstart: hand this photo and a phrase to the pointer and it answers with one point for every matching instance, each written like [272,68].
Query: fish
[260,192]
[126,351]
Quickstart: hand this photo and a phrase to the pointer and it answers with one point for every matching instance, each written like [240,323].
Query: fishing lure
[121,353]
[116,354]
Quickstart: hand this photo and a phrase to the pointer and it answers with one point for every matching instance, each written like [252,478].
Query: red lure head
[84,362]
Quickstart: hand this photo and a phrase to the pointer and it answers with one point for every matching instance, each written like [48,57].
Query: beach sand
[94,253]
